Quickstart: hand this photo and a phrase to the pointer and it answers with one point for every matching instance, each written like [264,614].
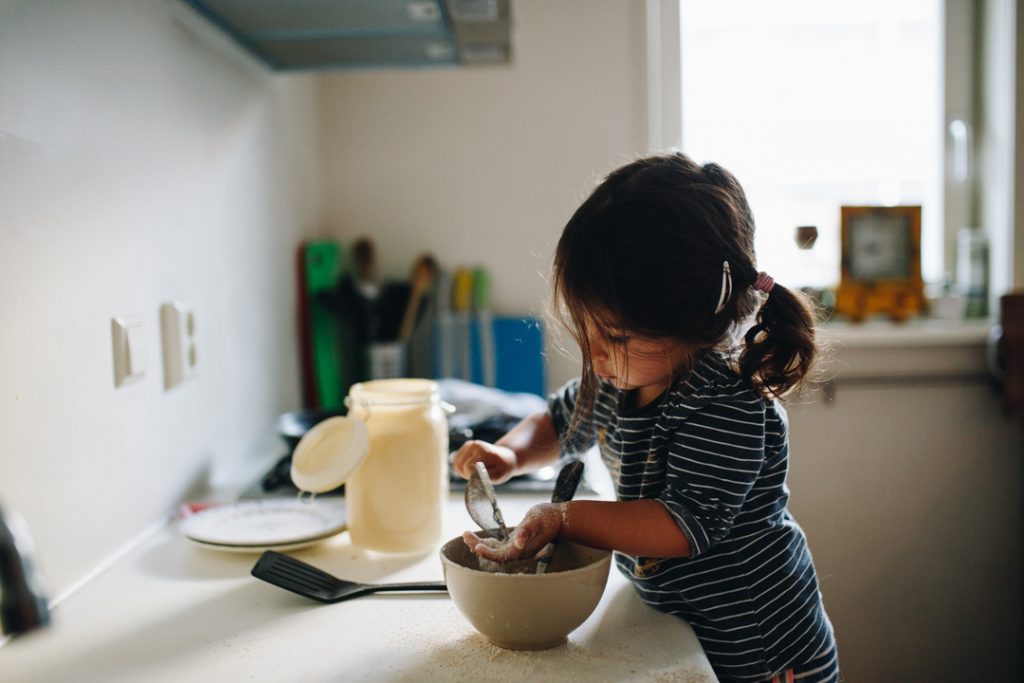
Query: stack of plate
[269,524]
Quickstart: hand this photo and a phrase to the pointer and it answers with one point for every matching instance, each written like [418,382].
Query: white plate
[283,547]
[272,523]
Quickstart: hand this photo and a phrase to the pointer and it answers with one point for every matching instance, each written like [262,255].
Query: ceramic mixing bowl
[527,611]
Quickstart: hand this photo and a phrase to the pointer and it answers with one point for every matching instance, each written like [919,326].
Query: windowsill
[923,350]
[920,332]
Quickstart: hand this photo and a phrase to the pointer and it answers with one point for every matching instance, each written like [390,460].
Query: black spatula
[308,581]
[565,488]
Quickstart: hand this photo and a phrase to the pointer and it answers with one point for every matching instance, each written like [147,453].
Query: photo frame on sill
[880,271]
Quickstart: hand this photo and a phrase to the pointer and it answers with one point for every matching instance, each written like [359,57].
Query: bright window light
[813,105]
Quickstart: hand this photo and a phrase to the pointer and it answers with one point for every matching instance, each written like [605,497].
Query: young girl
[655,272]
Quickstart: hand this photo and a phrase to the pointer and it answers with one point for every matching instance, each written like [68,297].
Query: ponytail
[780,347]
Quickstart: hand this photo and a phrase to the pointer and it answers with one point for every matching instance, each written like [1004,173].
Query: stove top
[278,482]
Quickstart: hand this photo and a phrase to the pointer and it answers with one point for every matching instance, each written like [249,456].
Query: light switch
[128,336]
[136,350]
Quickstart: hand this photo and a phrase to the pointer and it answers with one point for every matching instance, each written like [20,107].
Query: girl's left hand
[540,526]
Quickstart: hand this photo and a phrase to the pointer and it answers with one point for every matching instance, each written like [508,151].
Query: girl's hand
[540,526]
[499,460]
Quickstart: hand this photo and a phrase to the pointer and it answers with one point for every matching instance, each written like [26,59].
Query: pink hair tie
[764,282]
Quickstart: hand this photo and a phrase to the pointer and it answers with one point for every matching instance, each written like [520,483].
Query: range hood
[290,35]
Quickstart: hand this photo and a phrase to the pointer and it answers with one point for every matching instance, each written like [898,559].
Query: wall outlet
[178,333]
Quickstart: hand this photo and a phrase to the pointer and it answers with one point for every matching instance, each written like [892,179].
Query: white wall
[143,158]
[1018,202]
[484,166]
[1000,195]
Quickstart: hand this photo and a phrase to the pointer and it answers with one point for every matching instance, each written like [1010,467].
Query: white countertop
[173,611]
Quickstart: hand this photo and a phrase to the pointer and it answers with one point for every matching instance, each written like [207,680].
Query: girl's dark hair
[645,252]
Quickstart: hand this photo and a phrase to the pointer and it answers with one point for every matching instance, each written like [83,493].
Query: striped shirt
[715,454]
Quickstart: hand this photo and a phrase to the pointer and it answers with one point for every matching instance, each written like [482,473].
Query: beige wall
[484,166]
[143,159]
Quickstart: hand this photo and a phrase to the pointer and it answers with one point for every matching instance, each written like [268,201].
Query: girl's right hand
[500,461]
[541,525]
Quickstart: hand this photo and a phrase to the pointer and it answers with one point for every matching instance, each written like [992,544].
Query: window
[814,105]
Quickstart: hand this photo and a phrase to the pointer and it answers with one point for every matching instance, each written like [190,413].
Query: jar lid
[393,392]
[329,453]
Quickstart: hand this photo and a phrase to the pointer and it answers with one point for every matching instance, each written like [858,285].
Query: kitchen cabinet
[906,475]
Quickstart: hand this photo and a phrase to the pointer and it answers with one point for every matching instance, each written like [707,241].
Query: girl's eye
[618,339]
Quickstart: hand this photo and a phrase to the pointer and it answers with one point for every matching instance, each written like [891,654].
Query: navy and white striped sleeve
[712,464]
[560,407]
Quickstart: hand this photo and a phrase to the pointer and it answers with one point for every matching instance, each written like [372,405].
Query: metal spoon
[482,504]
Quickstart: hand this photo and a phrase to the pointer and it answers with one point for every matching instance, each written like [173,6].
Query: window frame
[965,199]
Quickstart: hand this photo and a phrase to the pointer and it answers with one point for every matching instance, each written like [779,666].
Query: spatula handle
[430,586]
[544,557]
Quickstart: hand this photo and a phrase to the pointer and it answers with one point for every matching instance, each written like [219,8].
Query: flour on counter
[448,648]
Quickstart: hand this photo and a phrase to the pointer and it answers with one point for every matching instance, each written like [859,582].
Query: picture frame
[880,269]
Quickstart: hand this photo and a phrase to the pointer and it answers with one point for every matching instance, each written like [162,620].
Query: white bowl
[527,611]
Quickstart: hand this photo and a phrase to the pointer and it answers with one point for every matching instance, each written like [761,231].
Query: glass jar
[972,270]
[396,497]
